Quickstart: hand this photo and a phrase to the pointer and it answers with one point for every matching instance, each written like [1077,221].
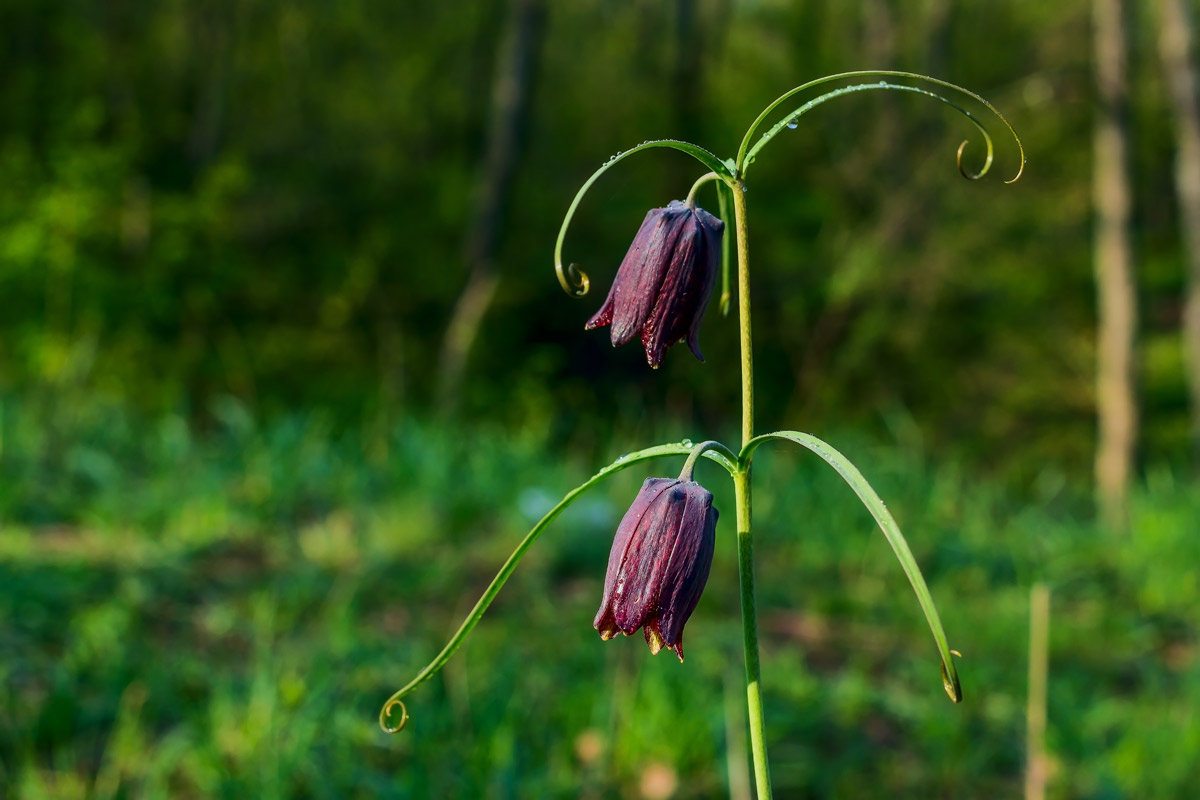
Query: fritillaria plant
[664,546]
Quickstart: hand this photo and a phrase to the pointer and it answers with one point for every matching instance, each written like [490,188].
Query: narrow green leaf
[493,589]
[574,280]
[891,531]
[724,203]
[747,152]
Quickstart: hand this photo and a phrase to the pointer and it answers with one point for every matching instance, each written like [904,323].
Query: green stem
[754,704]
[741,488]
[703,179]
[747,348]
[690,465]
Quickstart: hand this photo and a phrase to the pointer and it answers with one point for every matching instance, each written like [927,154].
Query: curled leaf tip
[385,716]
[950,680]
[987,165]
[971,176]
[573,280]
[747,151]
[1020,171]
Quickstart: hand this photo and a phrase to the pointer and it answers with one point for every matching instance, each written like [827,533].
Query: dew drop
[686,443]
[793,123]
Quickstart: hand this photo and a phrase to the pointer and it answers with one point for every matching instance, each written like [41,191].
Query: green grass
[192,615]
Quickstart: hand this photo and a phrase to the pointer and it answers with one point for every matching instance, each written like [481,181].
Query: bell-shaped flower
[665,281]
[659,563]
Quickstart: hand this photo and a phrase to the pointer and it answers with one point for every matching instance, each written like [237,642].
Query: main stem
[741,489]
[747,349]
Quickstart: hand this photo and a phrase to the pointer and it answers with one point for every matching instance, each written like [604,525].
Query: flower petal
[679,296]
[639,580]
[646,498]
[713,229]
[689,565]
[640,275]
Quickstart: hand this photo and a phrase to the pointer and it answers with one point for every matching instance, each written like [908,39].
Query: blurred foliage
[224,617]
[268,200]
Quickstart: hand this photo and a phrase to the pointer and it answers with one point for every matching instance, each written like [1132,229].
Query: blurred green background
[248,485]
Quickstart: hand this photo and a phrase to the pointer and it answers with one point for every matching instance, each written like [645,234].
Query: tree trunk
[510,103]
[1037,764]
[1116,306]
[937,38]
[1175,46]
[686,71]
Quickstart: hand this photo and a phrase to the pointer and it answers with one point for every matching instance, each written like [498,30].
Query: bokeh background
[285,374]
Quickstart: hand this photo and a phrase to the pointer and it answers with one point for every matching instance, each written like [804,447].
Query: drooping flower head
[665,281]
[659,563]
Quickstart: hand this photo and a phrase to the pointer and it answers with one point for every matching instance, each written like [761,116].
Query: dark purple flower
[659,563]
[664,283]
